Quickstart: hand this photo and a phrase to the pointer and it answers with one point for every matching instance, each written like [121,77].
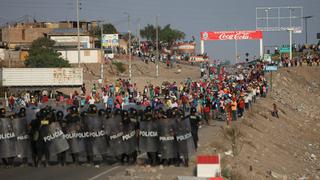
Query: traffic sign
[271,68]
[285,50]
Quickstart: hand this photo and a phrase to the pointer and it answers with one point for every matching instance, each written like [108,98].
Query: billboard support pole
[102,56]
[261,48]
[290,41]
[202,47]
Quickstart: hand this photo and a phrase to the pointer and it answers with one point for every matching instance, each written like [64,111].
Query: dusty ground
[269,148]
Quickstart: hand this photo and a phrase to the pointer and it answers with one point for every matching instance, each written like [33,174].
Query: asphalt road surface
[60,173]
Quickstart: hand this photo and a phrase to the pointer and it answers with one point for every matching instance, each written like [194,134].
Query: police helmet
[180,112]
[125,113]
[43,112]
[60,115]
[22,109]
[2,111]
[133,111]
[108,110]
[92,109]
[117,112]
[74,109]
[193,110]
[148,109]
[101,112]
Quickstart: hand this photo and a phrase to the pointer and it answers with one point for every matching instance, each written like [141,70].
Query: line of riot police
[96,135]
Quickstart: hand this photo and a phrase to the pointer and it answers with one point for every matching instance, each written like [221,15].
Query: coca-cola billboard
[231,35]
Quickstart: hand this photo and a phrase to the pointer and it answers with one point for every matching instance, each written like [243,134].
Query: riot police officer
[43,122]
[168,144]
[59,117]
[22,134]
[129,139]
[184,139]
[152,121]
[73,126]
[194,122]
[7,139]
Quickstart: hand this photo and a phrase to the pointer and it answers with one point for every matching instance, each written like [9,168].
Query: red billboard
[231,35]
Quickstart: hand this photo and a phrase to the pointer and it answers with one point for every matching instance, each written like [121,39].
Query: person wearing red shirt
[241,107]
[45,99]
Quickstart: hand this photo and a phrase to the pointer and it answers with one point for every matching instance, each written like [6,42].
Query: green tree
[107,29]
[169,35]
[43,55]
[148,32]
[166,34]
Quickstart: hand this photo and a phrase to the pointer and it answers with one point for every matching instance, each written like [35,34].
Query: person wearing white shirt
[105,100]
[246,102]
[250,95]
[91,100]
[254,93]
[174,104]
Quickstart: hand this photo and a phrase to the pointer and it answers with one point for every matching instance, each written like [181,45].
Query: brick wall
[23,35]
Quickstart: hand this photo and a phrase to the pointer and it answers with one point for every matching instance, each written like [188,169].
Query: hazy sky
[189,16]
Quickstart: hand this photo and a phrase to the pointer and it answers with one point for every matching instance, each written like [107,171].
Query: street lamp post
[129,46]
[102,54]
[157,47]
[78,32]
[267,17]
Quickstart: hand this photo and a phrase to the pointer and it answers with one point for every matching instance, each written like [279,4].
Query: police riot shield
[53,136]
[75,138]
[7,139]
[148,137]
[23,145]
[184,138]
[113,128]
[129,138]
[168,144]
[127,106]
[95,135]
[100,106]
[31,112]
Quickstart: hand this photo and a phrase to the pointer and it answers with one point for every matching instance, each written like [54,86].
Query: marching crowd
[162,121]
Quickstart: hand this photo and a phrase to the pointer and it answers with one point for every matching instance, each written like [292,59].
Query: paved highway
[60,173]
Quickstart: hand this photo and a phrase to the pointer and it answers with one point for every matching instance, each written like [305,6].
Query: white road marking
[103,173]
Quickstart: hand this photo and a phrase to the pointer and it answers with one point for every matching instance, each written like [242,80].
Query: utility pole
[138,33]
[78,33]
[290,42]
[9,44]
[102,55]
[236,49]
[157,48]
[129,46]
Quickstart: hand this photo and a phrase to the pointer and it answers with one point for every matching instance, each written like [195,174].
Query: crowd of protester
[218,95]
